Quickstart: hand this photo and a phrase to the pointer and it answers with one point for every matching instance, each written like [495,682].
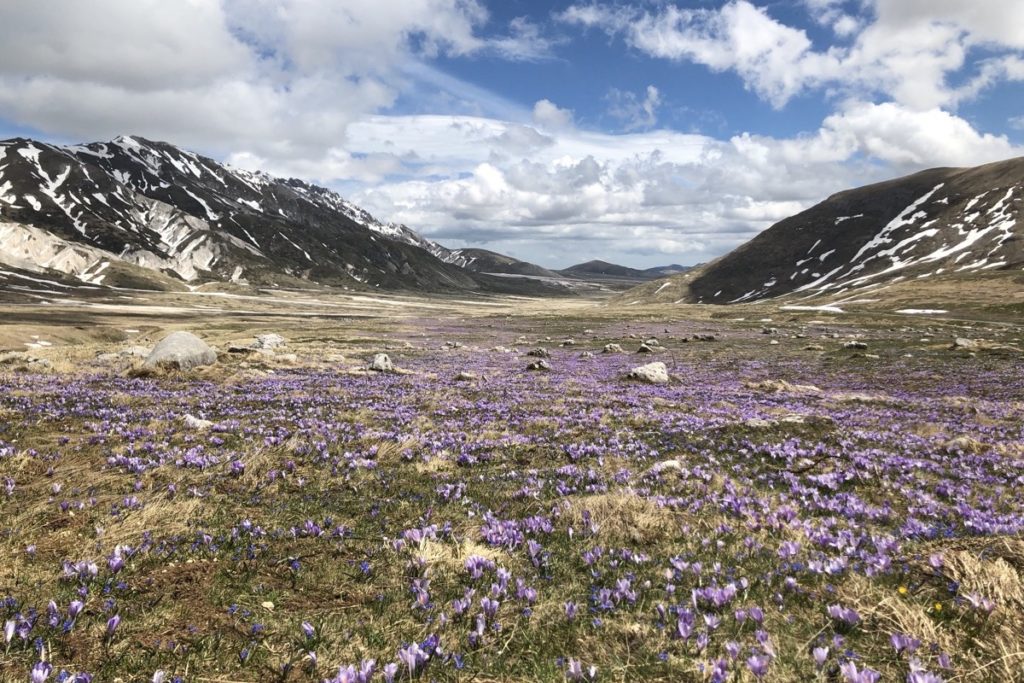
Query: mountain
[484,261]
[604,270]
[133,210]
[940,223]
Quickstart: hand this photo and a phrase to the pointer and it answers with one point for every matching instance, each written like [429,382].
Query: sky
[643,132]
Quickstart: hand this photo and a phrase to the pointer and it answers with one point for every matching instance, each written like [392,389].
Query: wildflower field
[800,511]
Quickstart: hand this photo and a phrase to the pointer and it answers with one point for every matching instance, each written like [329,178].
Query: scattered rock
[769,330]
[782,386]
[814,347]
[467,376]
[269,341]
[612,348]
[963,343]
[859,345]
[539,352]
[705,337]
[19,360]
[586,354]
[652,342]
[287,358]
[181,351]
[539,365]
[665,466]
[773,342]
[568,342]
[381,363]
[453,344]
[501,349]
[963,444]
[645,348]
[196,423]
[652,373]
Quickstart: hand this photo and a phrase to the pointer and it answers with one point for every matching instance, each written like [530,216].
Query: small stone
[381,363]
[652,373]
[196,423]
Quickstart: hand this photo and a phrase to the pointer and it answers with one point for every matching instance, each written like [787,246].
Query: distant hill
[484,261]
[603,270]
[940,223]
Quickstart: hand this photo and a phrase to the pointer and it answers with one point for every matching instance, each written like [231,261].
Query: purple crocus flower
[112,624]
[820,655]
[758,665]
[575,671]
[9,630]
[308,630]
[41,671]
[853,675]
[75,608]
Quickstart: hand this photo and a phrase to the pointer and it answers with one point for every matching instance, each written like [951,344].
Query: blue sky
[638,131]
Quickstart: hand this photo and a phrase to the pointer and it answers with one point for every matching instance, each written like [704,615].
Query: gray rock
[269,341]
[855,345]
[645,348]
[774,386]
[182,351]
[539,352]
[539,365]
[652,373]
[964,343]
[196,423]
[586,354]
[466,376]
[381,363]
[612,348]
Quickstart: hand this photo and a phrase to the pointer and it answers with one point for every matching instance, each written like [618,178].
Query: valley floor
[790,507]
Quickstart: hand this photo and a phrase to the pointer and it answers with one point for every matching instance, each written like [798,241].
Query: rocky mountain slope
[484,261]
[939,223]
[138,209]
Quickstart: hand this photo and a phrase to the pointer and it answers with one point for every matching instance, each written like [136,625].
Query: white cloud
[658,192]
[631,110]
[547,114]
[278,79]
[908,50]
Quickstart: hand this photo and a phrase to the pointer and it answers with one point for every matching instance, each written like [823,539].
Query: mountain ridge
[152,206]
[934,223]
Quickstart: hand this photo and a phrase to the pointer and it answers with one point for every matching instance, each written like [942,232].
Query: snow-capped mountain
[133,205]
[937,223]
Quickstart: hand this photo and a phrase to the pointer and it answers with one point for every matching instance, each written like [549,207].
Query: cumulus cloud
[279,79]
[686,196]
[908,50]
[547,114]
[633,111]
